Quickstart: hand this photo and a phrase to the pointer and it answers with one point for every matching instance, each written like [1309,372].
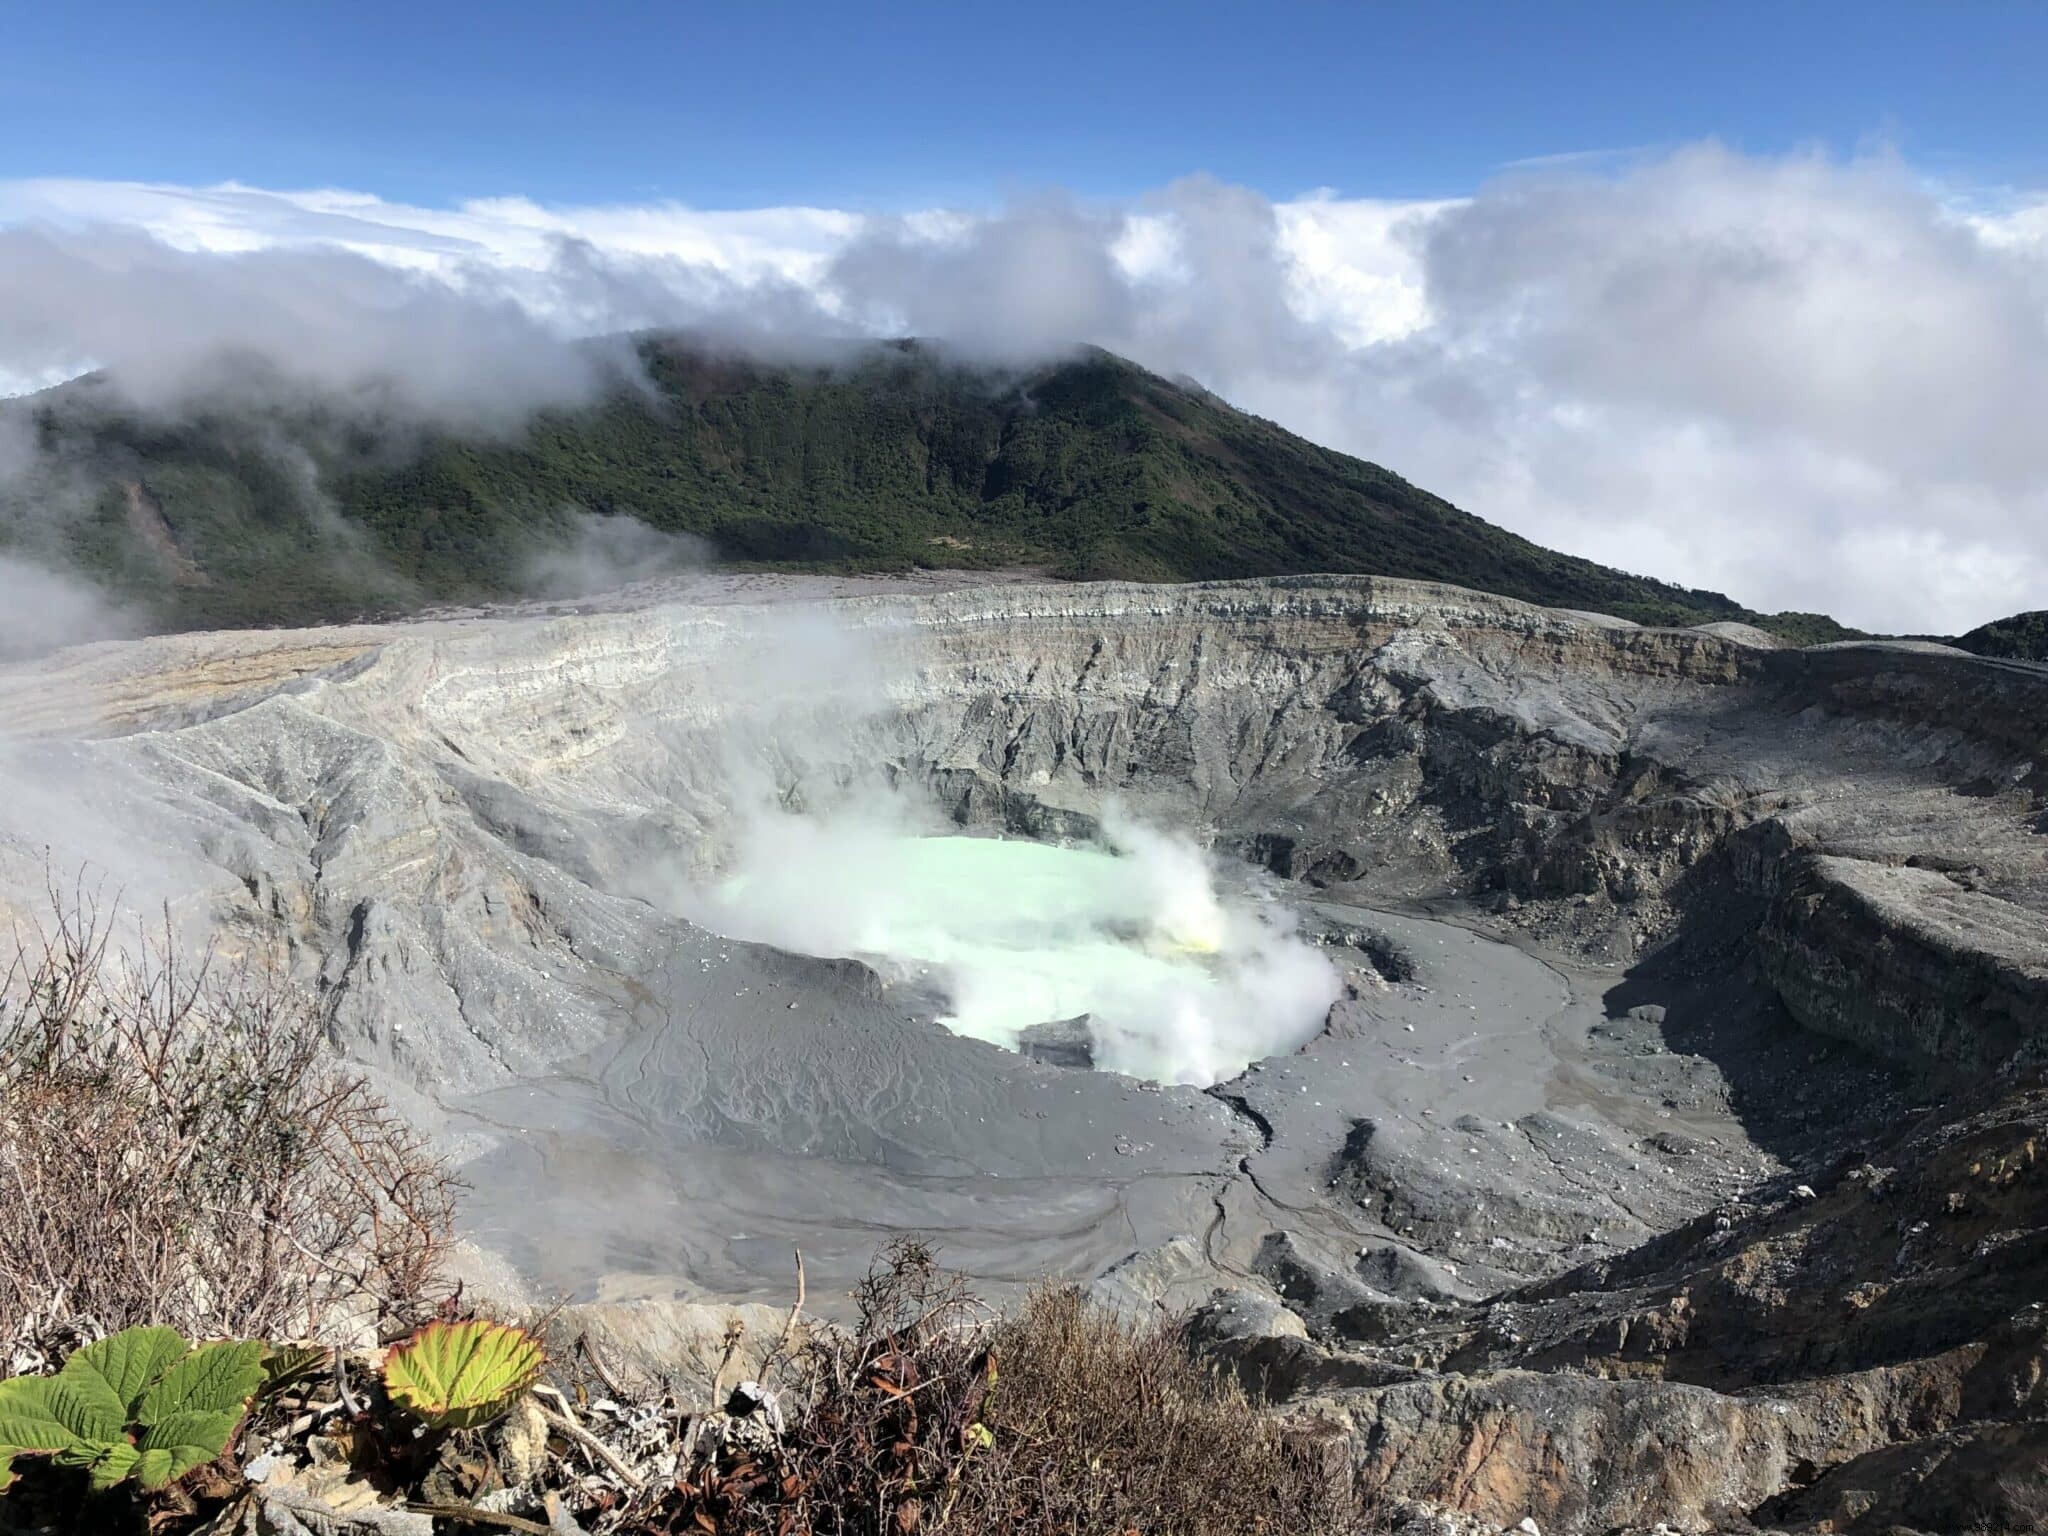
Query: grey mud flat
[768,1104]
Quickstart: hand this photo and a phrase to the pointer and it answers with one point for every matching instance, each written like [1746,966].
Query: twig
[469,1514]
[589,1352]
[348,1400]
[735,1332]
[596,1447]
[796,1309]
[313,1414]
[562,1404]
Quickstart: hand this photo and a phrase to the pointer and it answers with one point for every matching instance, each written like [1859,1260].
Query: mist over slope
[293,510]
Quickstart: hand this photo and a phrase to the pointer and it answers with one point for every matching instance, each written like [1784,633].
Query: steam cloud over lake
[1179,982]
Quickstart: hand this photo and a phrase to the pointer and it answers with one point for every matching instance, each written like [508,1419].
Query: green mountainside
[1091,467]
[2020,637]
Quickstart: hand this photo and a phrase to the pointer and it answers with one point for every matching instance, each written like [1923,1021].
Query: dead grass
[934,1415]
[177,1146]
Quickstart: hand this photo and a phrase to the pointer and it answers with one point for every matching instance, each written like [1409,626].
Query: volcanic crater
[1597,1065]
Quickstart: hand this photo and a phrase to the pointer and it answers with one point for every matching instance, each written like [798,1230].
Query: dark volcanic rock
[1059,1043]
[1991,1479]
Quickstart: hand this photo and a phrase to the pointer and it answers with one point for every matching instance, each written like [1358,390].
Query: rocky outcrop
[1909,961]
[1588,1453]
[1990,1478]
[1818,1352]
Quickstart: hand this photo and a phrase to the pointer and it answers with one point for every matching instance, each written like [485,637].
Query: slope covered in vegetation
[2020,637]
[893,457]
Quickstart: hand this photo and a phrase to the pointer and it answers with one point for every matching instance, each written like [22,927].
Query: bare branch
[177,1146]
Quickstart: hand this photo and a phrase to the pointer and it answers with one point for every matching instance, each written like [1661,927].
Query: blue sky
[914,104]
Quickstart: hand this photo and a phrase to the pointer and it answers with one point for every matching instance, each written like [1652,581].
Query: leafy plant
[457,1375]
[141,1405]
[284,1364]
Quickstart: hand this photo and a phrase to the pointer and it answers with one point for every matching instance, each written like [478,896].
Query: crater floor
[845,1114]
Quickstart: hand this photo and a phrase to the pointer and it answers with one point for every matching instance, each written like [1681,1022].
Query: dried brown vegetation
[932,1414]
[177,1146]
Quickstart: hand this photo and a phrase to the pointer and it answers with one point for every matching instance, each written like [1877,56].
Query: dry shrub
[178,1146]
[932,1415]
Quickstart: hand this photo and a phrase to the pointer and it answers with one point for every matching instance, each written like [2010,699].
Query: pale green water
[1181,984]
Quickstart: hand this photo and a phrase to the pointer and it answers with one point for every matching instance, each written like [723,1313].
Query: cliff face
[464,831]
[1909,962]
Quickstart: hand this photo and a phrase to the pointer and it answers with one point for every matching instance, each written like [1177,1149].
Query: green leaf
[187,1440]
[85,1404]
[125,1364]
[29,1417]
[114,1463]
[153,1469]
[456,1375]
[286,1363]
[81,1405]
[214,1378]
[187,1403]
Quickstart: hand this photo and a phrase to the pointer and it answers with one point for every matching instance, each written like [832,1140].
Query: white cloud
[509,231]
[1004,288]
[42,609]
[1810,383]
[165,321]
[1356,266]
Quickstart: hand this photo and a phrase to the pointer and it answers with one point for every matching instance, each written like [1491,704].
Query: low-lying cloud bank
[1805,382]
